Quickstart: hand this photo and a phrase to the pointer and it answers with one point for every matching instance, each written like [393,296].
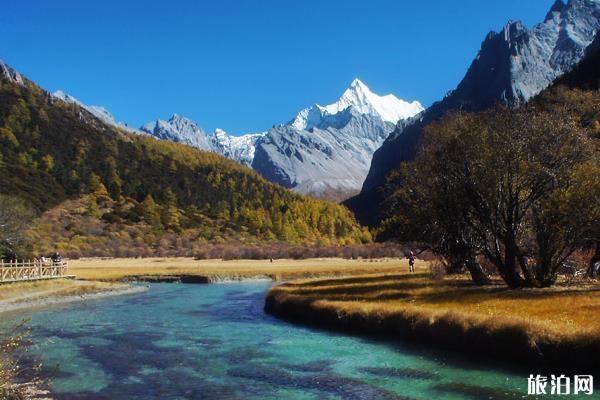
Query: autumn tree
[15,217]
[151,212]
[425,207]
[514,186]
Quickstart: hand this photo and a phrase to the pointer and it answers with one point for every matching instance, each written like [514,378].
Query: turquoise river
[185,341]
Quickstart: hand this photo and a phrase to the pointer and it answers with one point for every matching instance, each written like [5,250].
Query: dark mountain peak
[513,29]
[510,32]
[557,7]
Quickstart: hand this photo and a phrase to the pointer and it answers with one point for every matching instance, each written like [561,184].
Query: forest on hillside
[55,158]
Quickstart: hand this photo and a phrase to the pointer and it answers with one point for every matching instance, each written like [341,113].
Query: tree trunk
[455,266]
[477,273]
[509,272]
[594,268]
[530,279]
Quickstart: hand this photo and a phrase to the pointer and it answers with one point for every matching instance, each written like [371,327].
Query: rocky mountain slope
[512,66]
[180,129]
[586,74]
[324,151]
[9,74]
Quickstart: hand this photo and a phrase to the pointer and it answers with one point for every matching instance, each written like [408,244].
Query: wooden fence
[31,270]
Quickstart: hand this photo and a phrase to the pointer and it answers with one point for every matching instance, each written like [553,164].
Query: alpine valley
[102,189]
[430,253]
[324,151]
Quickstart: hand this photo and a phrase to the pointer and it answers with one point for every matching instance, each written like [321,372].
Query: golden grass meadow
[280,269]
[562,310]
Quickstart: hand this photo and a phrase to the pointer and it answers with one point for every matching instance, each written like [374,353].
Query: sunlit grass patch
[549,325]
[279,269]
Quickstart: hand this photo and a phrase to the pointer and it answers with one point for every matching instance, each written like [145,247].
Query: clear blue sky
[245,65]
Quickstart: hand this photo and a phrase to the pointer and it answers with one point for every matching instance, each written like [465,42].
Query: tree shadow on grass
[357,279]
[326,292]
[476,294]
[397,287]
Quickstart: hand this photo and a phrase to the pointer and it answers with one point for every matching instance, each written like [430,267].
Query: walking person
[411,262]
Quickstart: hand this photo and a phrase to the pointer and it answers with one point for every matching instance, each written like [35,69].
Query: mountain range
[103,190]
[180,129]
[324,151]
[336,150]
[512,66]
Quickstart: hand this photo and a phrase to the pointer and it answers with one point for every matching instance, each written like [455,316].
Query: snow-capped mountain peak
[389,108]
[358,96]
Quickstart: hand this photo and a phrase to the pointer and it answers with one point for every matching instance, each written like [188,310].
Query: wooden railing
[31,270]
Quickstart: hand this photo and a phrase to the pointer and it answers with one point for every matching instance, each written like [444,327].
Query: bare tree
[15,217]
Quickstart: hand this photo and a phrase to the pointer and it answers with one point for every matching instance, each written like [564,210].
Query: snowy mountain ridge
[324,151]
[358,96]
[180,129]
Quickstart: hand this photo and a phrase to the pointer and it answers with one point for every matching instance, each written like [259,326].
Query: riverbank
[214,341]
[212,271]
[30,295]
[545,328]
[98,278]
[20,297]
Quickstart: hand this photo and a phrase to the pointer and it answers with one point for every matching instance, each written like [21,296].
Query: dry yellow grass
[559,312]
[119,268]
[25,291]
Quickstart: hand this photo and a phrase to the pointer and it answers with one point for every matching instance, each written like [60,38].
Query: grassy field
[119,268]
[453,312]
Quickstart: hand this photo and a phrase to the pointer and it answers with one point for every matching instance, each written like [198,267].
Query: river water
[178,341]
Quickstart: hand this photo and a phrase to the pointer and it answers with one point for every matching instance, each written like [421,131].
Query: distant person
[411,262]
[56,257]
[271,259]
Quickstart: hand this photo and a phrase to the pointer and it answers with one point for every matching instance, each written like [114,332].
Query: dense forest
[510,191]
[57,158]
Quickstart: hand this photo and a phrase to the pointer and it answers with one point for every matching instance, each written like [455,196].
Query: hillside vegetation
[515,190]
[56,154]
